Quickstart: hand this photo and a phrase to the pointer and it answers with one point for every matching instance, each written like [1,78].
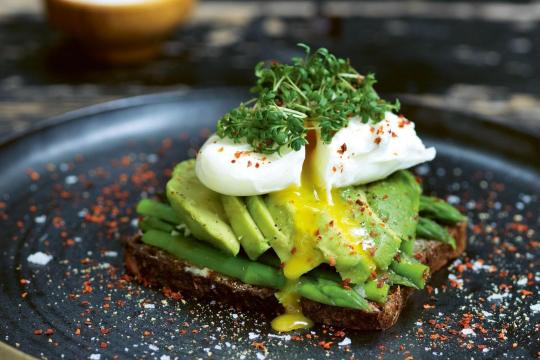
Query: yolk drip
[310,203]
[292,319]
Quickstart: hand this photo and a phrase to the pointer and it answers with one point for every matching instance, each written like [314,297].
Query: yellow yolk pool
[310,204]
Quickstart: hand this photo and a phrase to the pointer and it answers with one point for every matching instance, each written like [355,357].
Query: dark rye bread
[157,268]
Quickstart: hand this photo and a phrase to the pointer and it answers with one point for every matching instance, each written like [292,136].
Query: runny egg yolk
[310,202]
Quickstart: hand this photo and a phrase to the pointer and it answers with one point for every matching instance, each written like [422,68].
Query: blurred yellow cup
[118,31]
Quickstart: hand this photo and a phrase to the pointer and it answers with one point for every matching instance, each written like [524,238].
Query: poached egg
[362,153]
[357,154]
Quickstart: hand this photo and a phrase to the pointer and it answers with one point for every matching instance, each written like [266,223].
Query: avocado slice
[283,217]
[252,240]
[396,200]
[261,215]
[200,208]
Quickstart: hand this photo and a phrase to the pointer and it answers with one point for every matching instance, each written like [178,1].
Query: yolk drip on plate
[310,202]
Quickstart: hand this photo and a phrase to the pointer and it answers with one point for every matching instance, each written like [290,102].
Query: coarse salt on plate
[39,258]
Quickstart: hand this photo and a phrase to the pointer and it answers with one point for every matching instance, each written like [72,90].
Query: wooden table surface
[482,57]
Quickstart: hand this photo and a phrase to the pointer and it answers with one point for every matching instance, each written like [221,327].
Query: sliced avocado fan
[200,208]
[253,241]
[261,215]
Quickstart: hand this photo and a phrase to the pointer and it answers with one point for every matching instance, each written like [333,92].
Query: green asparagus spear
[374,290]
[331,293]
[396,279]
[412,270]
[159,210]
[440,210]
[251,272]
[200,254]
[430,230]
[150,222]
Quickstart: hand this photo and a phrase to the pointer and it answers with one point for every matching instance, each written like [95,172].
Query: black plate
[68,189]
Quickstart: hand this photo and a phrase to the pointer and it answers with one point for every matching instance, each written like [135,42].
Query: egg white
[236,169]
[361,153]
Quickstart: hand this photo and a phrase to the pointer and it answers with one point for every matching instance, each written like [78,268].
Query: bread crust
[155,267]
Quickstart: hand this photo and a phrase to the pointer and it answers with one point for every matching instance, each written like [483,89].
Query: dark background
[479,56]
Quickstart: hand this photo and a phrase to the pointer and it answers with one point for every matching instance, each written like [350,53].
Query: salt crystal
[467,332]
[165,357]
[522,281]
[40,219]
[39,258]
[95,356]
[152,158]
[252,336]
[345,342]
[260,356]
[71,179]
[497,297]
[111,253]
[149,306]
[153,347]
[453,199]
[535,308]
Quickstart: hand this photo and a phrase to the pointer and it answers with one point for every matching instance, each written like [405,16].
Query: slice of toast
[155,267]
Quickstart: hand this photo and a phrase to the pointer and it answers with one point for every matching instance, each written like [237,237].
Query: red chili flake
[195,331]
[259,346]
[38,332]
[220,149]
[78,332]
[238,154]
[183,332]
[377,140]
[518,227]
[342,149]
[233,161]
[249,163]
[147,333]
[331,223]
[23,282]
[428,306]
[257,165]
[49,332]
[87,288]
[3,205]
[103,345]
[339,333]
[24,294]
[345,283]
[296,338]
[293,251]
[326,344]
[174,295]
[70,242]
[334,169]
[34,176]
[394,135]
[525,292]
